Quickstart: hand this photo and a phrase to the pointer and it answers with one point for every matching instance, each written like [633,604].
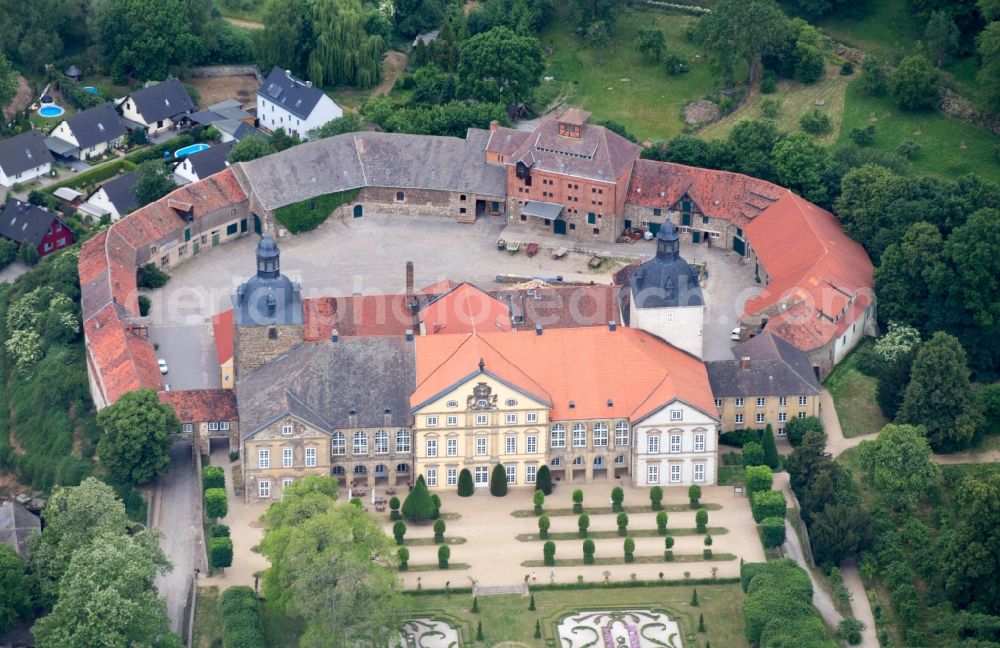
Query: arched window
[381,442]
[337,471]
[620,460]
[578,461]
[360,470]
[403,468]
[598,462]
[403,441]
[338,443]
[360,442]
[600,435]
[556,462]
[558,436]
[579,435]
[621,434]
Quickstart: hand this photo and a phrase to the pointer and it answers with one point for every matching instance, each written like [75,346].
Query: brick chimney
[494,124]
[745,362]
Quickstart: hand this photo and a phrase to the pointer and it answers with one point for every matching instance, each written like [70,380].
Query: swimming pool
[90,89]
[188,150]
[51,110]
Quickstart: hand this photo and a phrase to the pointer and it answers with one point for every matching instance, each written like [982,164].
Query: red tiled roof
[222,330]
[636,371]
[201,405]
[438,288]
[466,309]
[122,361]
[598,153]
[356,315]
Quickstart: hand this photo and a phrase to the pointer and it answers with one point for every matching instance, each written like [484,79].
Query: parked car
[733,335]
[163,365]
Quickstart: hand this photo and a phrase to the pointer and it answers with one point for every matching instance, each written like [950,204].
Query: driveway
[727,288]
[190,355]
[176,514]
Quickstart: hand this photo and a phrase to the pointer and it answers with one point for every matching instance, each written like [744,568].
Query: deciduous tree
[988,46]
[144,40]
[16,591]
[249,148]
[914,84]
[651,41]
[152,183]
[499,66]
[135,446]
[898,465]
[742,30]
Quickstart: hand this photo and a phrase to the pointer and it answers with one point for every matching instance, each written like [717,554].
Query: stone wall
[226,70]
[962,109]
[253,346]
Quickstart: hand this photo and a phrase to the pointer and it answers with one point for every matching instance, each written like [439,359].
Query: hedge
[309,214]
[220,552]
[767,504]
[216,503]
[213,477]
[738,438]
[779,592]
[772,532]
[240,616]
[758,478]
[800,632]
[94,176]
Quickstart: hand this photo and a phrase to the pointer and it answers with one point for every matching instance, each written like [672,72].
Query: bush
[758,478]
[150,277]
[418,505]
[767,504]
[220,552]
[694,495]
[661,523]
[578,501]
[769,83]
[701,520]
[617,497]
[539,500]
[588,552]
[8,252]
[240,619]
[622,521]
[739,438]
[863,136]
[770,107]
[656,498]
[753,454]
[549,553]
[543,527]
[399,531]
[847,69]
[914,84]
[466,487]
[582,523]
[403,556]
[629,547]
[498,481]
[444,553]
[216,503]
[796,429]
[439,528]
[771,457]
[218,531]
[213,477]
[780,591]
[394,508]
[908,148]
[815,121]
[145,304]
[436,501]
[543,480]
[772,531]
[849,630]
[28,254]
[310,214]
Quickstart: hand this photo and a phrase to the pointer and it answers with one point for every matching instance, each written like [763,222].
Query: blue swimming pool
[51,110]
[90,89]
[188,150]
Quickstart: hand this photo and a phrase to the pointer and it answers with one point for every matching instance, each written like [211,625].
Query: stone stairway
[521,589]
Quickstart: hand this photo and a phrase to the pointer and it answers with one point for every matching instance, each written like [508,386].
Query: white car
[733,335]
[163,365]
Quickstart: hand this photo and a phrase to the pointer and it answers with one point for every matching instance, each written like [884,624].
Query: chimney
[612,326]
[335,336]
[309,84]
[387,417]
[409,335]
[288,73]
[538,329]
[494,124]
[745,362]
[352,417]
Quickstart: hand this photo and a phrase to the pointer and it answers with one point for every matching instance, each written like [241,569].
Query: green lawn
[854,395]
[884,26]
[949,148]
[507,618]
[207,622]
[627,87]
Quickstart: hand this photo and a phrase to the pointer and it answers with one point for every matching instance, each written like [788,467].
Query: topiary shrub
[694,496]
[701,520]
[661,523]
[707,552]
[588,552]
[629,547]
[772,531]
[436,501]
[668,544]
[220,552]
[399,531]
[145,305]
[771,457]
[767,504]
[617,497]
[213,477]
[758,478]
[439,527]
[578,501]
[444,553]
[498,481]
[219,531]
[240,619]
[543,480]
[739,438]
[394,508]
[466,487]
[583,523]
[656,498]
[216,503]
[622,521]
[753,454]
[539,500]
[543,527]
[549,553]
[418,505]
[403,556]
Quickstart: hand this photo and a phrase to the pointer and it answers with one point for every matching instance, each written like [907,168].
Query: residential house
[88,134]
[17,525]
[23,222]
[23,157]
[158,107]
[114,197]
[202,164]
[769,383]
[229,118]
[296,106]
[205,414]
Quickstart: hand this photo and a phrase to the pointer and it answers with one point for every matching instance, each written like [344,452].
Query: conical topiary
[771,457]
[701,623]
[498,481]
[531,604]
[694,598]
[538,629]
[475,605]
[466,488]
[543,480]
[418,505]
[479,631]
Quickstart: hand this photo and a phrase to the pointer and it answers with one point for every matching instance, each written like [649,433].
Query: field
[214,89]
[854,395]
[625,86]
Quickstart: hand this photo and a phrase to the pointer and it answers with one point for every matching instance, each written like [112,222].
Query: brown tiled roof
[465,309]
[222,331]
[357,316]
[201,405]
[562,306]
[121,360]
[598,154]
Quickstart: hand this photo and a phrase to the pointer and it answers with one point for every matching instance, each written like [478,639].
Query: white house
[87,134]
[199,166]
[296,106]
[114,197]
[158,107]
[676,445]
[23,157]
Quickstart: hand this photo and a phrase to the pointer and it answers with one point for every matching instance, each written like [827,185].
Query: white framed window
[621,434]
[718,403]
[699,472]
[451,447]
[761,401]
[531,444]
[760,417]
[675,443]
[670,317]
[676,415]
[802,401]
[432,447]
[187,428]
[482,475]
[556,462]
[432,421]
[510,445]
[600,435]
[675,473]
[451,476]
[739,402]
[213,426]
[224,426]
[381,442]
[263,458]
[338,443]
[653,474]
[511,418]
[781,432]
[264,488]
[531,417]
[285,483]
[620,460]
[287,429]
[699,443]
[310,457]
[782,417]
[451,420]
[510,402]
[557,438]
[511,470]
[739,419]
[360,442]
[482,419]
[286,457]
[579,435]
[481,445]
[403,441]
[802,415]
[782,401]
[653,443]
[432,477]
[530,472]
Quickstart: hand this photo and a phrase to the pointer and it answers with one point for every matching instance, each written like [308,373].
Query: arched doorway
[339,474]
[360,476]
[402,474]
[359,211]
[381,474]
[256,224]
[600,468]
[578,470]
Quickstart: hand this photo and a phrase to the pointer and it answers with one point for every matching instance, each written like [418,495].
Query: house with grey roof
[88,134]
[23,157]
[768,383]
[294,105]
[199,166]
[24,223]
[158,107]
[17,524]
[114,197]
